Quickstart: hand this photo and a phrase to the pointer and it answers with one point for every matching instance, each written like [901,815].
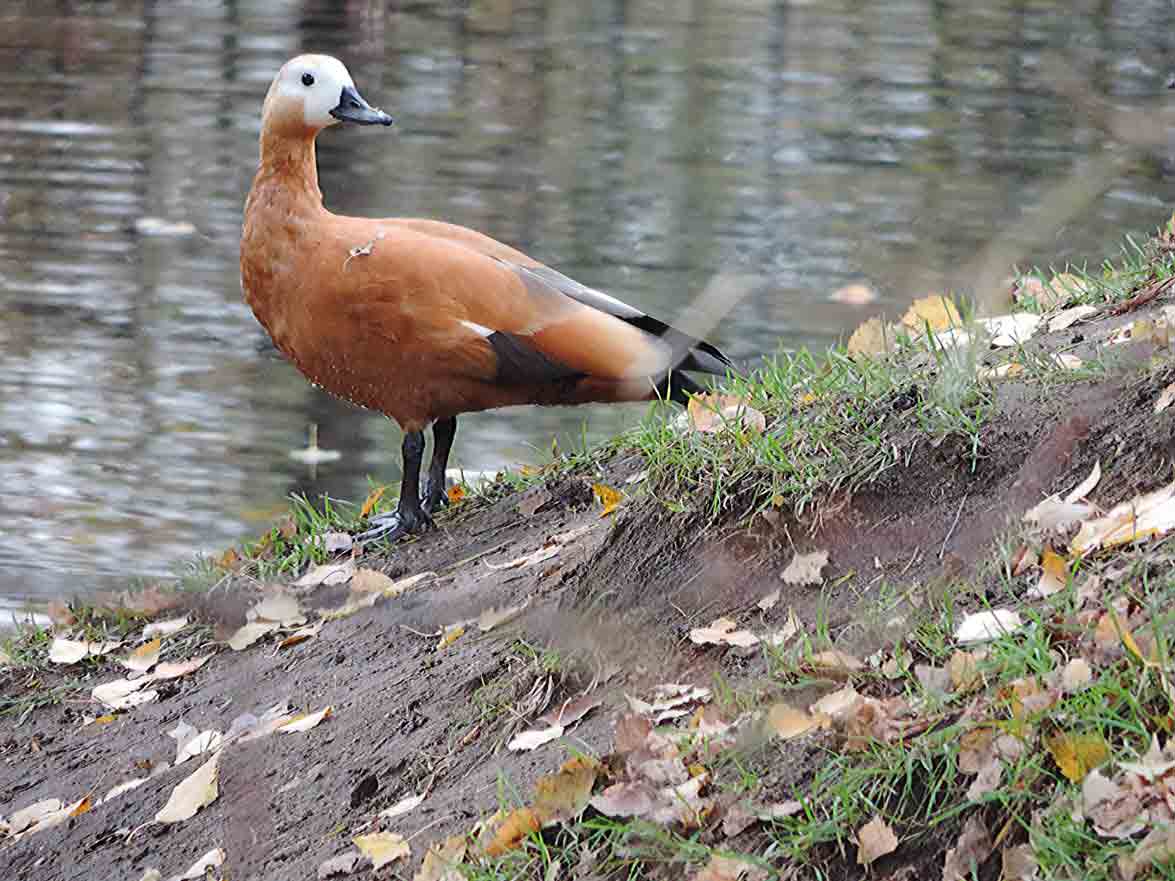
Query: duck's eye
[307,79]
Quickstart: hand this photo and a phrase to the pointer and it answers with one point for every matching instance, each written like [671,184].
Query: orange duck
[424,320]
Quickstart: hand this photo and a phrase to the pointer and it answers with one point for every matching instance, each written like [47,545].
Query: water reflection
[640,146]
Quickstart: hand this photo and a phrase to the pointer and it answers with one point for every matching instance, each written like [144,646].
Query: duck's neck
[289,161]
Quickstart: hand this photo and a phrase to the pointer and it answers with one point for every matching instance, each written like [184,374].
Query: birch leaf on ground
[441,861]
[280,607]
[301,635]
[609,498]
[199,869]
[970,852]
[711,413]
[872,337]
[787,722]
[1149,515]
[30,815]
[247,634]
[1054,574]
[834,662]
[935,310]
[165,628]
[1010,330]
[382,847]
[805,568]
[451,634]
[875,839]
[403,806]
[1086,486]
[533,738]
[122,694]
[625,800]
[70,651]
[143,658]
[198,744]
[176,669]
[305,721]
[722,631]
[1077,754]
[564,796]
[369,580]
[570,712]
[342,864]
[192,793]
[327,574]
[1068,317]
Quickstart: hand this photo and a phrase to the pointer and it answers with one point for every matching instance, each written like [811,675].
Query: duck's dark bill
[352,108]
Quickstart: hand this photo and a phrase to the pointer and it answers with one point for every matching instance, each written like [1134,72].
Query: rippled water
[640,146]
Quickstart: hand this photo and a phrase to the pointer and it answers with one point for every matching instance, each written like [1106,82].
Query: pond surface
[640,146]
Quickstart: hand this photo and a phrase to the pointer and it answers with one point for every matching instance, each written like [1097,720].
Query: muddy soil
[612,607]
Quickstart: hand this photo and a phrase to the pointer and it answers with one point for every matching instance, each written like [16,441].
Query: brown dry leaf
[70,651]
[533,738]
[382,847]
[143,658]
[1115,810]
[564,796]
[935,310]
[1068,317]
[1077,754]
[963,668]
[279,607]
[247,634]
[441,860]
[805,568]
[513,830]
[327,574]
[451,634]
[721,868]
[1156,849]
[834,662]
[60,614]
[1007,370]
[610,498]
[875,839]
[192,793]
[1149,515]
[1165,399]
[308,632]
[342,864]
[370,581]
[625,800]
[872,337]
[164,628]
[304,721]
[721,631]
[122,694]
[1075,676]
[1019,863]
[768,602]
[710,413]
[371,501]
[787,722]
[1054,574]
[1063,287]
[176,669]
[838,705]
[970,852]
[571,711]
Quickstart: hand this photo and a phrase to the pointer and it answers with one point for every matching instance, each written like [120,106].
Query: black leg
[443,431]
[408,517]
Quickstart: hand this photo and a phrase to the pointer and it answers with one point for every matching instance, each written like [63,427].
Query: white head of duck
[312,92]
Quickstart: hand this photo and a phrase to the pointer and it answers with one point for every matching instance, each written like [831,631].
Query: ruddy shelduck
[423,320]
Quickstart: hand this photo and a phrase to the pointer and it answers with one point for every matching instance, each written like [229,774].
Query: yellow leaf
[229,561]
[81,807]
[143,658]
[872,337]
[452,633]
[609,498]
[711,413]
[563,796]
[935,310]
[521,823]
[1077,754]
[456,494]
[441,861]
[105,720]
[1054,573]
[788,722]
[371,501]
[875,839]
[807,398]
[382,847]
[964,671]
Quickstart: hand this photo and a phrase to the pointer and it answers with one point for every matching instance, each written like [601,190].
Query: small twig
[416,632]
[942,551]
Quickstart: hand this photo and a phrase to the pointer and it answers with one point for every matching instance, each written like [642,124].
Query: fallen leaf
[343,864]
[970,852]
[371,501]
[935,680]
[533,738]
[872,337]
[1066,361]
[1156,849]
[625,800]
[1011,330]
[987,625]
[1007,370]
[126,786]
[1054,513]
[837,705]
[1063,287]
[122,694]
[721,631]
[1054,574]
[963,668]
[1068,317]
[70,651]
[1145,516]
[875,839]
[382,847]
[60,614]
[175,669]
[787,722]
[789,629]
[308,632]
[31,815]
[711,413]
[281,608]
[768,602]
[451,634]
[836,663]
[720,868]
[305,721]
[781,810]
[610,498]
[1019,863]
[192,793]
[1165,399]
[512,831]
[570,712]
[1075,676]
[199,869]
[1086,486]
[327,574]
[247,634]
[805,568]
[564,796]
[403,806]
[441,861]
[198,744]
[143,658]
[935,311]
[1116,811]
[164,628]
[1077,754]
